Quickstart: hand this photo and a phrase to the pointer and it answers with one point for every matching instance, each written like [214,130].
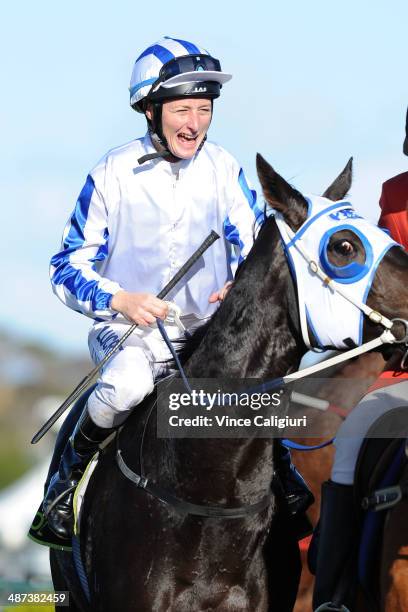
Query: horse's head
[344,266]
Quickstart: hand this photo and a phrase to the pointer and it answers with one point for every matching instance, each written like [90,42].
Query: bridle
[386,337]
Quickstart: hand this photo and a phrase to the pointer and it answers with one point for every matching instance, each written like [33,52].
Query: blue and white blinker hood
[335,322]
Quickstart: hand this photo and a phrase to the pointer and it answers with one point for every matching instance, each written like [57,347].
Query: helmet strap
[158,139]
[156,127]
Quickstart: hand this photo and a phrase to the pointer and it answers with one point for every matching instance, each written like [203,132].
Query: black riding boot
[337,543]
[81,446]
[297,494]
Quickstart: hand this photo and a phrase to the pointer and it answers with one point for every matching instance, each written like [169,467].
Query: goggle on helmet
[174,68]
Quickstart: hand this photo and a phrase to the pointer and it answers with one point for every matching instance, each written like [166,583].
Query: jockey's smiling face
[185,122]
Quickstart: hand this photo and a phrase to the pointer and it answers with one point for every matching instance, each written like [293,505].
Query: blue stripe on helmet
[163,54]
[189,47]
[136,88]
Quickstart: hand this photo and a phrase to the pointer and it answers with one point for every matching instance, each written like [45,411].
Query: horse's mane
[191,343]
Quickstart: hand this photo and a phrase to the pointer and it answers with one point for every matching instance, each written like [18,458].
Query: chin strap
[149,156]
[161,147]
[165,153]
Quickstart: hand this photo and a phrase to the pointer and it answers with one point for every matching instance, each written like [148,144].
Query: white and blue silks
[321,308]
[134,227]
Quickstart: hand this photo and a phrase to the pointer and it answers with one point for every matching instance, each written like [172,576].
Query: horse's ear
[341,185]
[280,195]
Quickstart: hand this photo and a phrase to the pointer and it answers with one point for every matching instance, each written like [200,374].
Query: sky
[313,83]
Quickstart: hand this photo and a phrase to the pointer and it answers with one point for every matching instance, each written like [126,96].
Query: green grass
[13,459]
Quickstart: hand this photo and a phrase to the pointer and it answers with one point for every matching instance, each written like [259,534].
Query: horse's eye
[343,247]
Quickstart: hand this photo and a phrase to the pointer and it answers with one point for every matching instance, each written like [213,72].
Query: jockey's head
[174,83]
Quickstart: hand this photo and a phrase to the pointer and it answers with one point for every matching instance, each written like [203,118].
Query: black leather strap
[156,155]
[184,507]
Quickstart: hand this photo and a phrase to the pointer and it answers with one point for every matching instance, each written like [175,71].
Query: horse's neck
[251,336]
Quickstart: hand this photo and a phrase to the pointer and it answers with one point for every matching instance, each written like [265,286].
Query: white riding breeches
[350,435]
[129,376]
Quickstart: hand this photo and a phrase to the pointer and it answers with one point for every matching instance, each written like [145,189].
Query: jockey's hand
[219,296]
[141,308]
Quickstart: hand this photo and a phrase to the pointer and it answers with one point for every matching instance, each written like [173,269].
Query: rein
[385,337]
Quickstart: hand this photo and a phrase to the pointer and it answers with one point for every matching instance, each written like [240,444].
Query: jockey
[338,526]
[144,209]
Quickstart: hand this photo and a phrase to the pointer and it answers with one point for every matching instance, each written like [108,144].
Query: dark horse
[142,554]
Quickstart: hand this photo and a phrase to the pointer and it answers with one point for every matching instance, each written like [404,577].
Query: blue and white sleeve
[245,216]
[74,270]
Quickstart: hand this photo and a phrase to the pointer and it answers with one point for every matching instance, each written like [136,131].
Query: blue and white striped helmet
[171,63]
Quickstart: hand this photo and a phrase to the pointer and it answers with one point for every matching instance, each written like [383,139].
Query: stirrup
[55,501]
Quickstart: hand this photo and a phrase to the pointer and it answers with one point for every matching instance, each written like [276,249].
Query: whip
[211,238]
